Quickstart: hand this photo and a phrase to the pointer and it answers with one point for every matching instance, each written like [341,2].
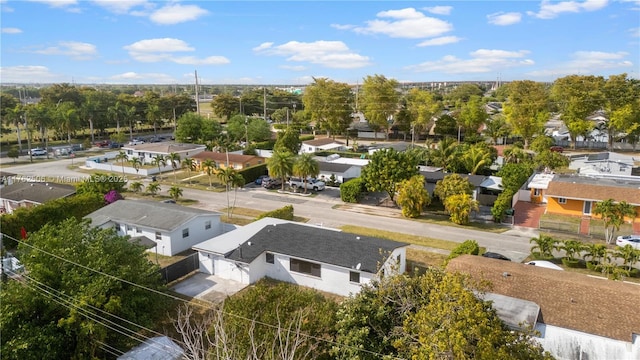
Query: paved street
[320,210]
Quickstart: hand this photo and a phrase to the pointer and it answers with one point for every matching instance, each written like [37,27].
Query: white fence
[107,162]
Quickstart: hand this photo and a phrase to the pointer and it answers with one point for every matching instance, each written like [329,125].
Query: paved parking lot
[207,287]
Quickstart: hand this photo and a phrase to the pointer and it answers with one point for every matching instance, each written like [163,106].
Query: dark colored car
[558,149]
[103,144]
[493,255]
[271,183]
[260,178]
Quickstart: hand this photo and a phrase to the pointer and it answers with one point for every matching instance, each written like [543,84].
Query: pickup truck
[314,184]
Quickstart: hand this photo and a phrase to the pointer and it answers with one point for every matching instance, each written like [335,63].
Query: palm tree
[159,161]
[153,188]
[305,166]
[514,154]
[629,255]
[442,156]
[130,113]
[226,177]
[237,181]
[209,166]
[545,245]
[136,163]
[122,157]
[174,160]
[280,164]
[613,215]
[571,248]
[136,187]
[115,113]
[190,165]
[153,114]
[476,158]
[175,192]
[598,253]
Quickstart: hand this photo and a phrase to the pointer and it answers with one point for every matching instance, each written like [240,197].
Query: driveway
[207,287]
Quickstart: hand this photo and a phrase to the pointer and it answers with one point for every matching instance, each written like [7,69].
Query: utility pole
[197,96]
[26,125]
[264,103]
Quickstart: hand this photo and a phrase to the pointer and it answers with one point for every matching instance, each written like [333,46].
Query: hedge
[251,173]
[470,247]
[352,190]
[284,213]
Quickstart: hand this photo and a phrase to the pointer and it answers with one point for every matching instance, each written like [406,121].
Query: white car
[311,184]
[38,152]
[544,264]
[633,240]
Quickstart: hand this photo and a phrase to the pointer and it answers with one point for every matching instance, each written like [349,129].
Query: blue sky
[289,42]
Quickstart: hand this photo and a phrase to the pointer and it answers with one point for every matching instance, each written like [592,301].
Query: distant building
[24,194]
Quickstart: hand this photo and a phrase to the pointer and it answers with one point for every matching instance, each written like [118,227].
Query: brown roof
[570,300]
[222,157]
[322,141]
[577,190]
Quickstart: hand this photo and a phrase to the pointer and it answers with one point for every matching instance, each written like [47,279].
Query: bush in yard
[351,191]
[470,247]
[502,203]
[284,213]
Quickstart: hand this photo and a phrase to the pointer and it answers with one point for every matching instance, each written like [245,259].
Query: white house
[146,152]
[316,257]
[341,172]
[577,316]
[25,193]
[173,228]
[322,144]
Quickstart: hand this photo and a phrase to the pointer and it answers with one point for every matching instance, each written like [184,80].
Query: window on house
[399,259]
[562,200]
[129,228]
[304,267]
[270,258]
[116,226]
[354,276]
[185,233]
[138,230]
[536,192]
[207,225]
[158,236]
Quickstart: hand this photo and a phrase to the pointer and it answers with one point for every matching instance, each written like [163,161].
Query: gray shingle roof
[333,167]
[316,244]
[37,192]
[145,213]
[433,177]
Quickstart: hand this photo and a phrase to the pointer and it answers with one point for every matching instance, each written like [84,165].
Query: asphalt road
[319,209]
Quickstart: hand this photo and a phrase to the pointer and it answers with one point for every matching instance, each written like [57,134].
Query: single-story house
[576,195]
[146,152]
[321,258]
[577,316]
[485,188]
[321,144]
[536,187]
[173,228]
[236,161]
[6,178]
[341,172]
[25,194]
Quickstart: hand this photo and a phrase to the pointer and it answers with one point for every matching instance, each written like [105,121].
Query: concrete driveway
[207,287]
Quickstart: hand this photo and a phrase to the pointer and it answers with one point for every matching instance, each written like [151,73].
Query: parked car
[558,149]
[544,264]
[493,255]
[633,240]
[38,152]
[270,183]
[312,184]
[115,145]
[136,142]
[103,144]
[258,181]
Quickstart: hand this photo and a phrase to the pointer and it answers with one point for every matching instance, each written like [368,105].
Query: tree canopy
[387,169]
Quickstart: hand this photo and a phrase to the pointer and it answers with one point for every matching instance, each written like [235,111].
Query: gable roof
[164,148]
[333,167]
[434,177]
[302,241]
[584,188]
[146,213]
[37,192]
[322,141]
[222,157]
[566,299]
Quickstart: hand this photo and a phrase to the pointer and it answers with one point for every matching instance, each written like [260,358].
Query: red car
[559,149]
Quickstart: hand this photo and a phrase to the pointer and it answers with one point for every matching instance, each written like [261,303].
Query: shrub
[351,191]
[467,247]
[284,213]
[502,203]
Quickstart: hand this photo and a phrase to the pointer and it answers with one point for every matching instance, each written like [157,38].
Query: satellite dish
[358,266]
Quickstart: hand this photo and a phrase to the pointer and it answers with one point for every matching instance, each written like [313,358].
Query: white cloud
[148,78]
[550,10]
[634,32]
[342,27]
[586,62]
[121,6]
[439,10]
[156,50]
[404,23]
[443,40]
[11,31]
[331,54]
[481,61]
[176,13]
[502,18]
[56,3]
[263,46]
[74,49]
[27,74]
[294,67]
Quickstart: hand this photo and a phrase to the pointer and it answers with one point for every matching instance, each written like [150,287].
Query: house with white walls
[321,144]
[320,258]
[147,151]
[173,228]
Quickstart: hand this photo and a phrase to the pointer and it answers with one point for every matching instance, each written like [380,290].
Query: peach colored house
[236,161]
[577,195]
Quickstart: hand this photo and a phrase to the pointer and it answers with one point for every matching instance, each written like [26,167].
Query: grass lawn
[423,259]
[411,239]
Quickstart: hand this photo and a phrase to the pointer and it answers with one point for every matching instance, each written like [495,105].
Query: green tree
[459,207]
[496,127]
[435,315]
[613,214]
[422,107]
[526,109]
[472,115]
[453,184]
[74,277]
[463,93]
[387,168]
[328,103]
[597,253]
[153,116]
[544,246]
[190,165]
[629,255]
[379,101]
[174,160]
[551,160]
[542,143]
[288,140]
[446,126]
[621,105]
[306,166]
[160,162]
[444,153]
[153,188]
[515,175]
[209,166]
[191,128]
[100,183]
[280,165]
[477,158]
[68,119]
[175,192]
[136,163]
[14,154]
[571,248]
[122,158]
[412,196]
[228,177]
[136,186]
[224,105]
